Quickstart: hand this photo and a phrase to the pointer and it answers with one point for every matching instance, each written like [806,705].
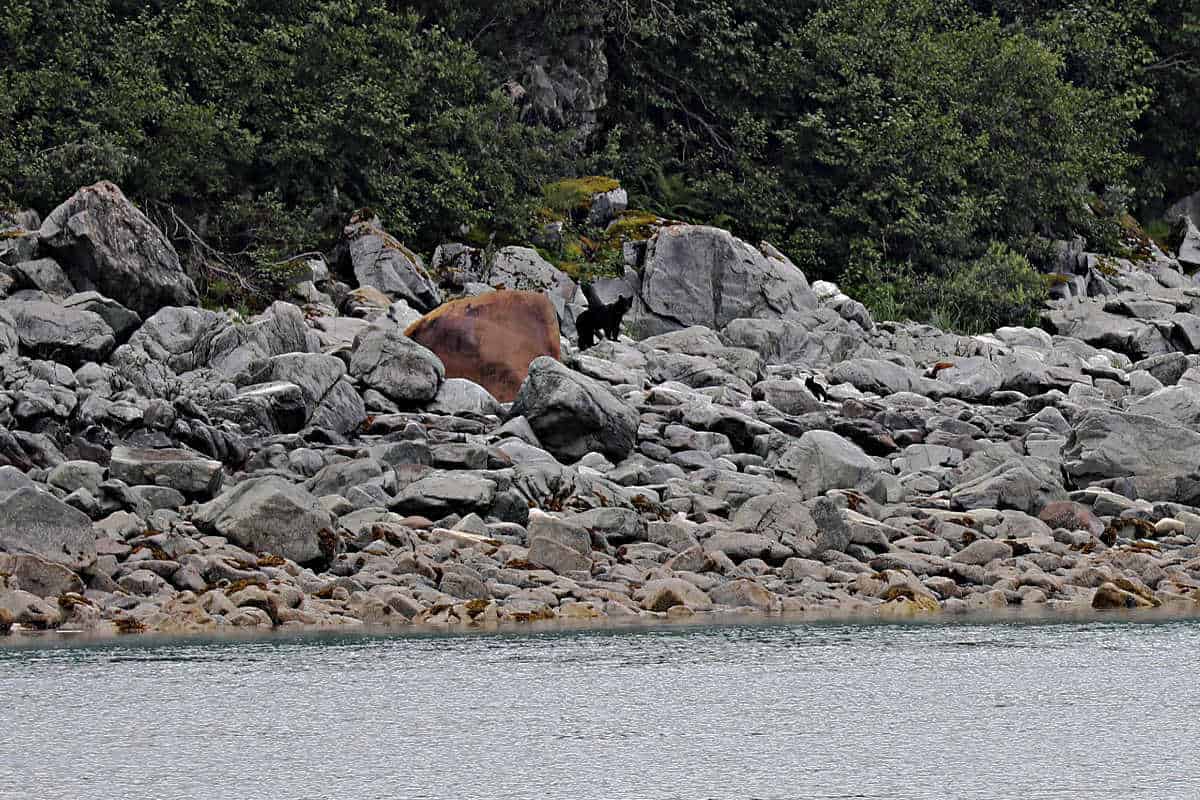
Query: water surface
[1007,710]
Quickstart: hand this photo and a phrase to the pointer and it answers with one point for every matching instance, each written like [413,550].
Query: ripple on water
[1015,709]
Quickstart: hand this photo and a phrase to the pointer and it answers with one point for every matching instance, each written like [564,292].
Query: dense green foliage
[266,122]
[922,151]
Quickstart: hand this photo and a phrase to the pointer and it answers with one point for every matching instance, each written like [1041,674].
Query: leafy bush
[239,115]
[999,288]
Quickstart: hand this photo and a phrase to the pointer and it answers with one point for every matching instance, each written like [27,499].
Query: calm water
[1016,710]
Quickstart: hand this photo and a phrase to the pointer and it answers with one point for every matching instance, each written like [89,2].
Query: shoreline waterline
[1081,616]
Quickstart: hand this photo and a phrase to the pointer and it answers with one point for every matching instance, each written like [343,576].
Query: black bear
[816,389]
[600,318]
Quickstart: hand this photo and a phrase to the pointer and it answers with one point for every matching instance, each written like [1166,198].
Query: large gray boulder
[33,521]
[69,335]
[522,269]
[44,275]
[574,415]
[1175,405]
[123,321]
[183,470]
[1108,444]
[1027,486]
[817,338]
[823,460]
[884,378]
[697,275]
[380,260]
[386,360]
[9,338]
[329,401]
[268,515]
[783,517]
[104,243]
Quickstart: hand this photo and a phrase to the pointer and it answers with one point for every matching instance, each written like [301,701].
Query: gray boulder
[328,400]
[574,415]
[1174,405]
[559,545]
[268,515]
[55,333]
[386,360]
[1108,444]
[817,338]
[104,243]
[122,321]
[445,492]
[458,396]
[1027,486]
[664,594]
[784,518]
[521,268]
[884,378]
[40,576]
[182,470]
[381,261]
[823,460]
[36,522]
[696,275]
[9,338]
[45,275]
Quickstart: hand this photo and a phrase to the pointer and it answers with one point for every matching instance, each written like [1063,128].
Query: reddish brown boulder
[491,339]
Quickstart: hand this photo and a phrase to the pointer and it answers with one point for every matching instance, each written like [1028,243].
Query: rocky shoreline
[171,469]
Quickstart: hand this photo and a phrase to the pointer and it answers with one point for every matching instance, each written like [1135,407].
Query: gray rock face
[106,244]
[9,338]
[386,360]
[696,275]
[381,261]
[823,460]
[523,269]
[1174,405]
[45,275]
[328,401]
[1108,444]
[446,492]
[268,515]
[39,576]
[69,335]
[182,470]
[574,415]
[558,545]
[459,396]
[884,378]
[32,521]
[1024,486]
[783,517]
[122,321]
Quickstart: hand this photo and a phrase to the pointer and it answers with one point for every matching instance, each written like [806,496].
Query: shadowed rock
[104,243]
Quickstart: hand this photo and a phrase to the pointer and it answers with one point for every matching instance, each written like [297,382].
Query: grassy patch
[575,194]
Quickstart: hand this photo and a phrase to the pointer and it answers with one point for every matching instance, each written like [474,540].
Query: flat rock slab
[183,470]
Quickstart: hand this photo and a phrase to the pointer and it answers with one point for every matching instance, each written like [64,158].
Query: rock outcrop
[104,243]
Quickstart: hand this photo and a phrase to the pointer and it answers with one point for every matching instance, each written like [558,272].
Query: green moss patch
[575,194]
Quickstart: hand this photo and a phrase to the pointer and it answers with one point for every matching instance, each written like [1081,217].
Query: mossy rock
[575,194]
[633,226]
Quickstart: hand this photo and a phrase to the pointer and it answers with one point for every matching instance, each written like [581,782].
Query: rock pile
[165,467]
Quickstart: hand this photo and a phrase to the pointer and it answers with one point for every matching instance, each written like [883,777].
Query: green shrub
[999,288]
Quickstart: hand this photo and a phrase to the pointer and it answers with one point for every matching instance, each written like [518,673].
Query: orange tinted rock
[491,339]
